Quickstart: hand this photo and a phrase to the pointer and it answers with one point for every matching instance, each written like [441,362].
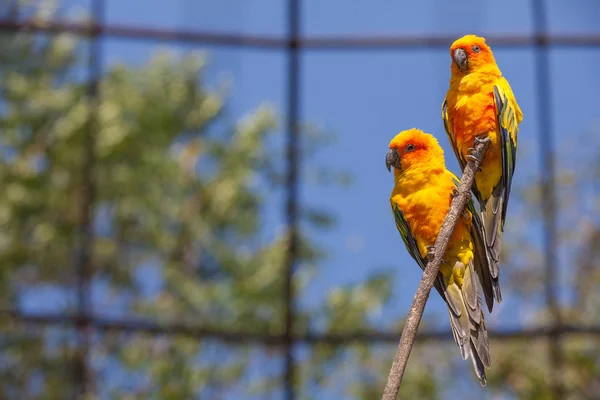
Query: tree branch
[409,332]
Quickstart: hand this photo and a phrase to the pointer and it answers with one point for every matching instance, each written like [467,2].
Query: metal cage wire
[294,44]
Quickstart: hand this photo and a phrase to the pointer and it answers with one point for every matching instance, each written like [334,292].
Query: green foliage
[180,195]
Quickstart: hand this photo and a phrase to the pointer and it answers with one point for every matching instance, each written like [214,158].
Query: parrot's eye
[410,147]
[476,49]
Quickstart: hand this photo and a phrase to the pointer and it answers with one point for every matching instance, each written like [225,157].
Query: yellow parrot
[420,200]
[480,103]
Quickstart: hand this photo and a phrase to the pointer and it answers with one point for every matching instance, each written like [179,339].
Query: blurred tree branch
[409,332]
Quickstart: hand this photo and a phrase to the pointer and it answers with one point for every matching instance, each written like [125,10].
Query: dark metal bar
[548,199]
[13,10]
[395,42]
[313,43]
[140,326]
[291,207]
[81,370]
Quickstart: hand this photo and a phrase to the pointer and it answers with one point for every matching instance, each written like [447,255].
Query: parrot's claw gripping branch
[472,157]
[430,252]
[474,154]
[409,332]
[454,192]
[481,139]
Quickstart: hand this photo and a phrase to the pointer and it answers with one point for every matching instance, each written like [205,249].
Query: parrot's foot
[454,193]
[471,153]
[482,139]
[473,157]
[430,253]
[471,150]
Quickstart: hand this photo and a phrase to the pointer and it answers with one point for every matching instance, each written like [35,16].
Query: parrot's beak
[461,60]
[392,159]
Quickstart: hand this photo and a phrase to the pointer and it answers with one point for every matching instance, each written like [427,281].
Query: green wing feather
[461,160]
[409,240]
[508,119]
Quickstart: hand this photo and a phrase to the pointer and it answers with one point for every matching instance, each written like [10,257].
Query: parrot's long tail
[466,319]
[491,215]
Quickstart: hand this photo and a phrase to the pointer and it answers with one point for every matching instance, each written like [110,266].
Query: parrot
[480,104]
[420,200]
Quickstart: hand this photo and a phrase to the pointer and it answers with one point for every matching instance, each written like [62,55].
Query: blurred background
[195,205]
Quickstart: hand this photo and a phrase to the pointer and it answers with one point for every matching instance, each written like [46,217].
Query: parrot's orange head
[469,53]
[411,148]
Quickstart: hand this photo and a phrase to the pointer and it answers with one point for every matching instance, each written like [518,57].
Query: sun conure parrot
[420,200]
[480,103]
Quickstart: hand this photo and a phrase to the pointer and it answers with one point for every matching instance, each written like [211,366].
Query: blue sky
[366,96]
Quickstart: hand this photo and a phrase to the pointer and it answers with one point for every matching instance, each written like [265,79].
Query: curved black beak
[461,60]
[392,159]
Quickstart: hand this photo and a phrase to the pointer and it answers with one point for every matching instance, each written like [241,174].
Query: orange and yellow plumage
[420,201]
[480,103]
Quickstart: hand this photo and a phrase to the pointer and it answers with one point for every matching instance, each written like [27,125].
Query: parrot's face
[412,147]
[469,53]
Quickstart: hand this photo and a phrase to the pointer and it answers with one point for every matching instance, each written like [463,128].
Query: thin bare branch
[409,332]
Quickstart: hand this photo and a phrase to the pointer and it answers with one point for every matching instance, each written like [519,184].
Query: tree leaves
[180,229]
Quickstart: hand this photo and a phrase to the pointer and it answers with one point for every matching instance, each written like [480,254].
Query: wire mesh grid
[294,44]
